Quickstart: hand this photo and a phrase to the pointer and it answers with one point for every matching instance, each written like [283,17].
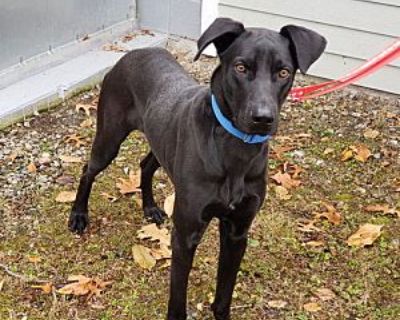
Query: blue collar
[228,126]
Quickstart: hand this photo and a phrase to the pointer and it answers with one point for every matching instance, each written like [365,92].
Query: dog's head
[258,67]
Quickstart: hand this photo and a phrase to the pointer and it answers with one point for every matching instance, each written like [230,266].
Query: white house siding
[356,30]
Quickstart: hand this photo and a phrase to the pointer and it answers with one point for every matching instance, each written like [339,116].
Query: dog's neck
[218,91]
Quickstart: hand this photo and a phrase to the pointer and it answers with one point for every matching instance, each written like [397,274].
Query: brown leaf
[109,197]
[163,252]
[331,214]
[66,196]
[293,169]
[70,159]
[114,47]
[82,285]
[75,139]
[307,226]
[312,307]
[31,168]
[282,193]
[277,304]
[153,233]
[325,294]
[329,151]
[285,180]
[85,107]
[365,235]
[371,134]
[130,185]
[47,288]
[315,244]
[169,205]
[65,180]
[278,151]
[34,259]
[363,153]
[142,256]
[384,208]
[87,123]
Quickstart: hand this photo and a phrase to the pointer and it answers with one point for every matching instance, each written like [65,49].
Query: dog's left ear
[306,45]
[222,32]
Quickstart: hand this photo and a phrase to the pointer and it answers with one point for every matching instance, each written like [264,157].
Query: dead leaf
[278,151]
[330,214]
[169,205]
[153,233]
[114,47]
[347,154]
[34,259]
[308,226]
[315,244]
[285,180]
[13,156]
[363,153]
[325,294]
[75,139]
[87,123]
[282,193]
[65,180]
[312,307]
[66,196]
[130,185]
[70,159]
[277,304]
[371,134]
[142,256]
[2,284]
[31,168]
[329,151]
[82,285]
[384,208]
[293,169]
[109,197]
[85,107]
[365,235]
[163,252]
[47,288]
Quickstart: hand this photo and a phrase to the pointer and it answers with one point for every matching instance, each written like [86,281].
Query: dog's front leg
[187,233]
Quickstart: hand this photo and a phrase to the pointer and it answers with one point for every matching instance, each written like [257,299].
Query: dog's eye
[284,73]
[240,67]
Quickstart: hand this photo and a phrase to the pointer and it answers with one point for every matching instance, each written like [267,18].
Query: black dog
[212,143]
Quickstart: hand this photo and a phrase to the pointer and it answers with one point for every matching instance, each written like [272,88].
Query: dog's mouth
[256,128]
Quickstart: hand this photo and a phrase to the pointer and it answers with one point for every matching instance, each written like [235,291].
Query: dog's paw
[155,214]
[78,221]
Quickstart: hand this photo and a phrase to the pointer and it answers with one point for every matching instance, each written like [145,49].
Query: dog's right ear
[222,32]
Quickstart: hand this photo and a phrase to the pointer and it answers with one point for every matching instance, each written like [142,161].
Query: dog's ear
[306,45]
[222,32]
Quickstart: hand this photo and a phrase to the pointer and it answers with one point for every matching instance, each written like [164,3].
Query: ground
[285,264]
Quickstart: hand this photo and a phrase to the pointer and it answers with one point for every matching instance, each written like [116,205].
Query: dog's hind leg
[149,165]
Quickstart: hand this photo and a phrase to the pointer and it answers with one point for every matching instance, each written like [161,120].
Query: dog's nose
[263,117]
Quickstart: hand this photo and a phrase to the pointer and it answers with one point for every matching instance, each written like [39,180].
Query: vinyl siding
[356,30]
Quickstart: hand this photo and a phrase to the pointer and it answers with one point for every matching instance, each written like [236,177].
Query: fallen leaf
[47,288]
[76,140]
[13,156]
[347,154]
[85,107]
[278,151]
[277,304]
[312,307]
[371,134]
[285,180]
[307,226]
[87,123]
[384,208]
[315,244]
[82,285]
[293,169]
[365,235]
[114,47]
[331,214]
[163,252]
[130,185]
[109,197]
[65,180]
[31,168]
[169,205]
[66,196]
[363,153]
[2,284]
[34,259]
[142,256]
[153,233]
[70,159]
[329,151]
[282,193]
[325,294]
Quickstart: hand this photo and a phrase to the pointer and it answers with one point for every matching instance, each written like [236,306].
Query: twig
[20,276]
[243,306]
